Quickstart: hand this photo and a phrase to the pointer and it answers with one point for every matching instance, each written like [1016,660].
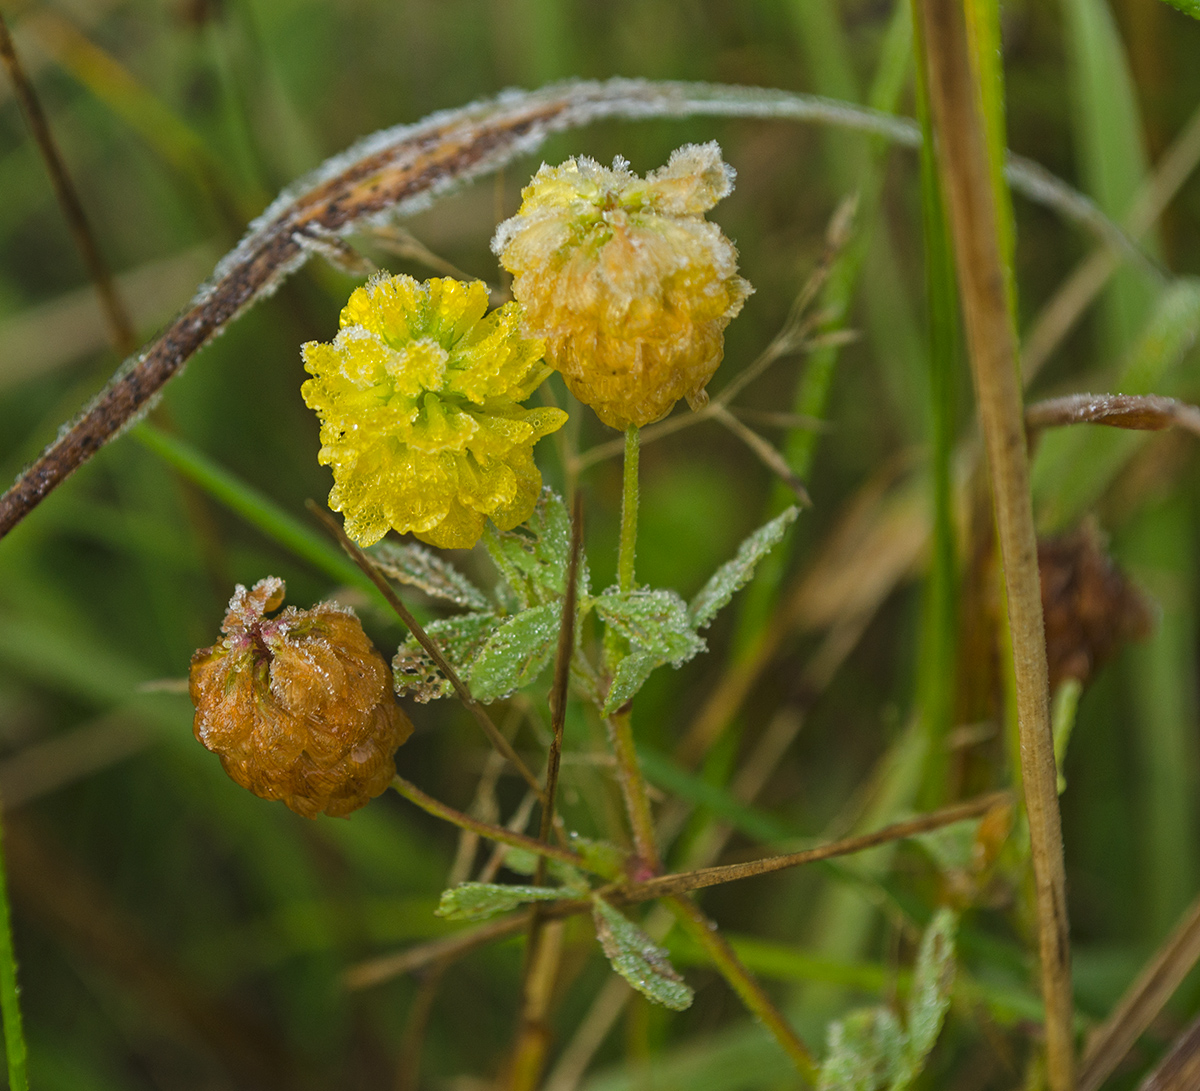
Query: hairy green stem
[629,510]
[633,788]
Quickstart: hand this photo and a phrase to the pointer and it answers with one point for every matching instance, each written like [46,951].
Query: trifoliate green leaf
[654,622]
[735,574]
[516,653]
[460,638]
[423,569]
[636,957]
[478,901]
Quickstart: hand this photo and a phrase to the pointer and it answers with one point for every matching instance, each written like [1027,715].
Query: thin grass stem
[747,987]
[116,315]
[498,834]
[15,1049]
[429,645]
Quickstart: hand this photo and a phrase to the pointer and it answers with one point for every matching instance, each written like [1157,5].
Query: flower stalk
[629,509]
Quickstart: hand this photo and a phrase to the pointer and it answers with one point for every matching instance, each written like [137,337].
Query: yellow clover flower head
[628,284]
[419,398]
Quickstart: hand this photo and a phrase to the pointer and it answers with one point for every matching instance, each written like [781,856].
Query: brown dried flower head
[627,283]
[1090,607]
[299,706]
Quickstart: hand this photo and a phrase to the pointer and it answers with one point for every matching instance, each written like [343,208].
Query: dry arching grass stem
[963,167]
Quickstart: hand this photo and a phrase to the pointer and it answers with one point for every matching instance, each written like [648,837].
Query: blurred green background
[174,931]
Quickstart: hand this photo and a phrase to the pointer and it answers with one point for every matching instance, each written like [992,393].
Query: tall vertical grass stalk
[10,1004]
[963,162]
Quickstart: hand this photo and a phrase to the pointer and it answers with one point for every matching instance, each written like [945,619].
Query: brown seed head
[627,283]
[298,707]
[1091,609]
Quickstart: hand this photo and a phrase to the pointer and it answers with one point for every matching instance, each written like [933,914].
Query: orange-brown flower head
[626,282]
[299,706]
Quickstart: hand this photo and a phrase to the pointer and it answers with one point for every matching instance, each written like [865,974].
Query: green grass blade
[254,507]
[857,167]
[751,821]
[1160,546]
[983,28]
[1110,147]
[938,655]
[15,1049]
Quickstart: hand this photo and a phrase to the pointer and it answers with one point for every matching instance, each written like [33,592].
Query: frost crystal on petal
[627,283]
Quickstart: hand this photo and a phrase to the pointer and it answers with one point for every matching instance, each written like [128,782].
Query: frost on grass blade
[478,901]
[516,653]
[636,957]
[461,639]
[423,569]
[735,574]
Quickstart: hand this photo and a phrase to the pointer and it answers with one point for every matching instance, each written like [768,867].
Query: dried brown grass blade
[398,171]
[965,172]
[1180,1069]
[1142,1002]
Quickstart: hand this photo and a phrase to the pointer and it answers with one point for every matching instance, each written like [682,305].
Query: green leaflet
[654,622]
[930,996]
[869,1050]
[1188,7]
[423,569]
[461,640]
[516,652]
[659,631]
[540,550]
[628,678]
[478,901]
[733,575]
[866,1050]
[600,857]
[636,957]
